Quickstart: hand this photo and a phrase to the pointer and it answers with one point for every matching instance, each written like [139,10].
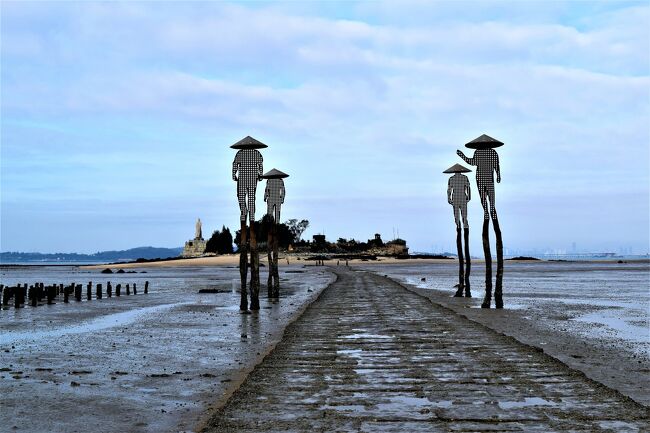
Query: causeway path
[372,356]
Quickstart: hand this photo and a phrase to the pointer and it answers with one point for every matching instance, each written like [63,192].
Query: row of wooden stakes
[37,292]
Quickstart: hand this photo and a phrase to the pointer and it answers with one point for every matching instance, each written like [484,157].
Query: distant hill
[99,257]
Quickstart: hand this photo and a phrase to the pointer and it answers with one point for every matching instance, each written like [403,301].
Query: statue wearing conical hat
[247,169]
[459,193]
[486,160]
[274,193]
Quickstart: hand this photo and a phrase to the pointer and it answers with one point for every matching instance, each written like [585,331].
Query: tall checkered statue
[458,195]
[274,194]
[247,169]
[486,161]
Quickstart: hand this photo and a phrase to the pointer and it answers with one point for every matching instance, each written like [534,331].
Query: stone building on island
[196,246]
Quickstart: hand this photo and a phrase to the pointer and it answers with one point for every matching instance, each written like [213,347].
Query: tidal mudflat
[144,363]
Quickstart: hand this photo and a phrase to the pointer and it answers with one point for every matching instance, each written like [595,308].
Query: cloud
[127,99]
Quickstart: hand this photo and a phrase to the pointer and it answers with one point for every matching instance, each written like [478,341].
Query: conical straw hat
[484,142]
[248,142]
[457,168]
[274,174]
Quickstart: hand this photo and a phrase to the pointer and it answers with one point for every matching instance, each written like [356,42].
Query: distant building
[396,247]
[376,242]
[196,246]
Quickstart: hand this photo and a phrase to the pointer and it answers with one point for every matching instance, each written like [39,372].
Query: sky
[117,117]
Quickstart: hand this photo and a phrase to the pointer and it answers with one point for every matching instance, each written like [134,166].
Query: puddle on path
[528,401]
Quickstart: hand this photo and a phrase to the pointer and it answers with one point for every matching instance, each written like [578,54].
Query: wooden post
[89,291]
[5,295]
[135,289]
[498,290]
[276,272]
[109,290]
[99,291]
[461,273]
[488,264]
[77,293]
[32,296]
[146,287]
[66,293]
[17,296]
[243,266]
[128,290]
[269,255]
[468,263]
[255,271]
[118,290]
[50,293]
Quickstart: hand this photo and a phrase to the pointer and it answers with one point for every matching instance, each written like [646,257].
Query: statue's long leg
[468,263]
[276,273]
[498,290]
[459,247]
[488,264]
[243,266]
[255,270]
[269,256]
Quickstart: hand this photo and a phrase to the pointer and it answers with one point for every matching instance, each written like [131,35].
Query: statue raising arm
[497,168]
[470,161]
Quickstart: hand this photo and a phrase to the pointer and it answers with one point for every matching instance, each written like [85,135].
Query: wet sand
[370,355]
[145,363]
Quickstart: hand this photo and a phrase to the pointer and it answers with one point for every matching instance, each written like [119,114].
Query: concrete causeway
[369,355]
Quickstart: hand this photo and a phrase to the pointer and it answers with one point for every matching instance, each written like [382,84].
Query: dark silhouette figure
[247,169]
[458,194]
[274,197]
[486,161]
[274,193]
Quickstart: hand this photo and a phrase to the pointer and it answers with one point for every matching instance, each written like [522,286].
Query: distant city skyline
[116,119]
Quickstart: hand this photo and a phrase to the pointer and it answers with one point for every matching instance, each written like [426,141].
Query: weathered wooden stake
[109,290]
[488,264]
[498,290]
[118,290]
[77,293]
[468,263]
[89,291]
[255,271]
[135,289]
[146,287]
[276,267]
[269,255]
[98,295]
[66,293]
[128,290]
[243,266]
[461,264]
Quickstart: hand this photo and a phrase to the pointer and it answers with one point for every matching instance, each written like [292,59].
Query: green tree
[220,242]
